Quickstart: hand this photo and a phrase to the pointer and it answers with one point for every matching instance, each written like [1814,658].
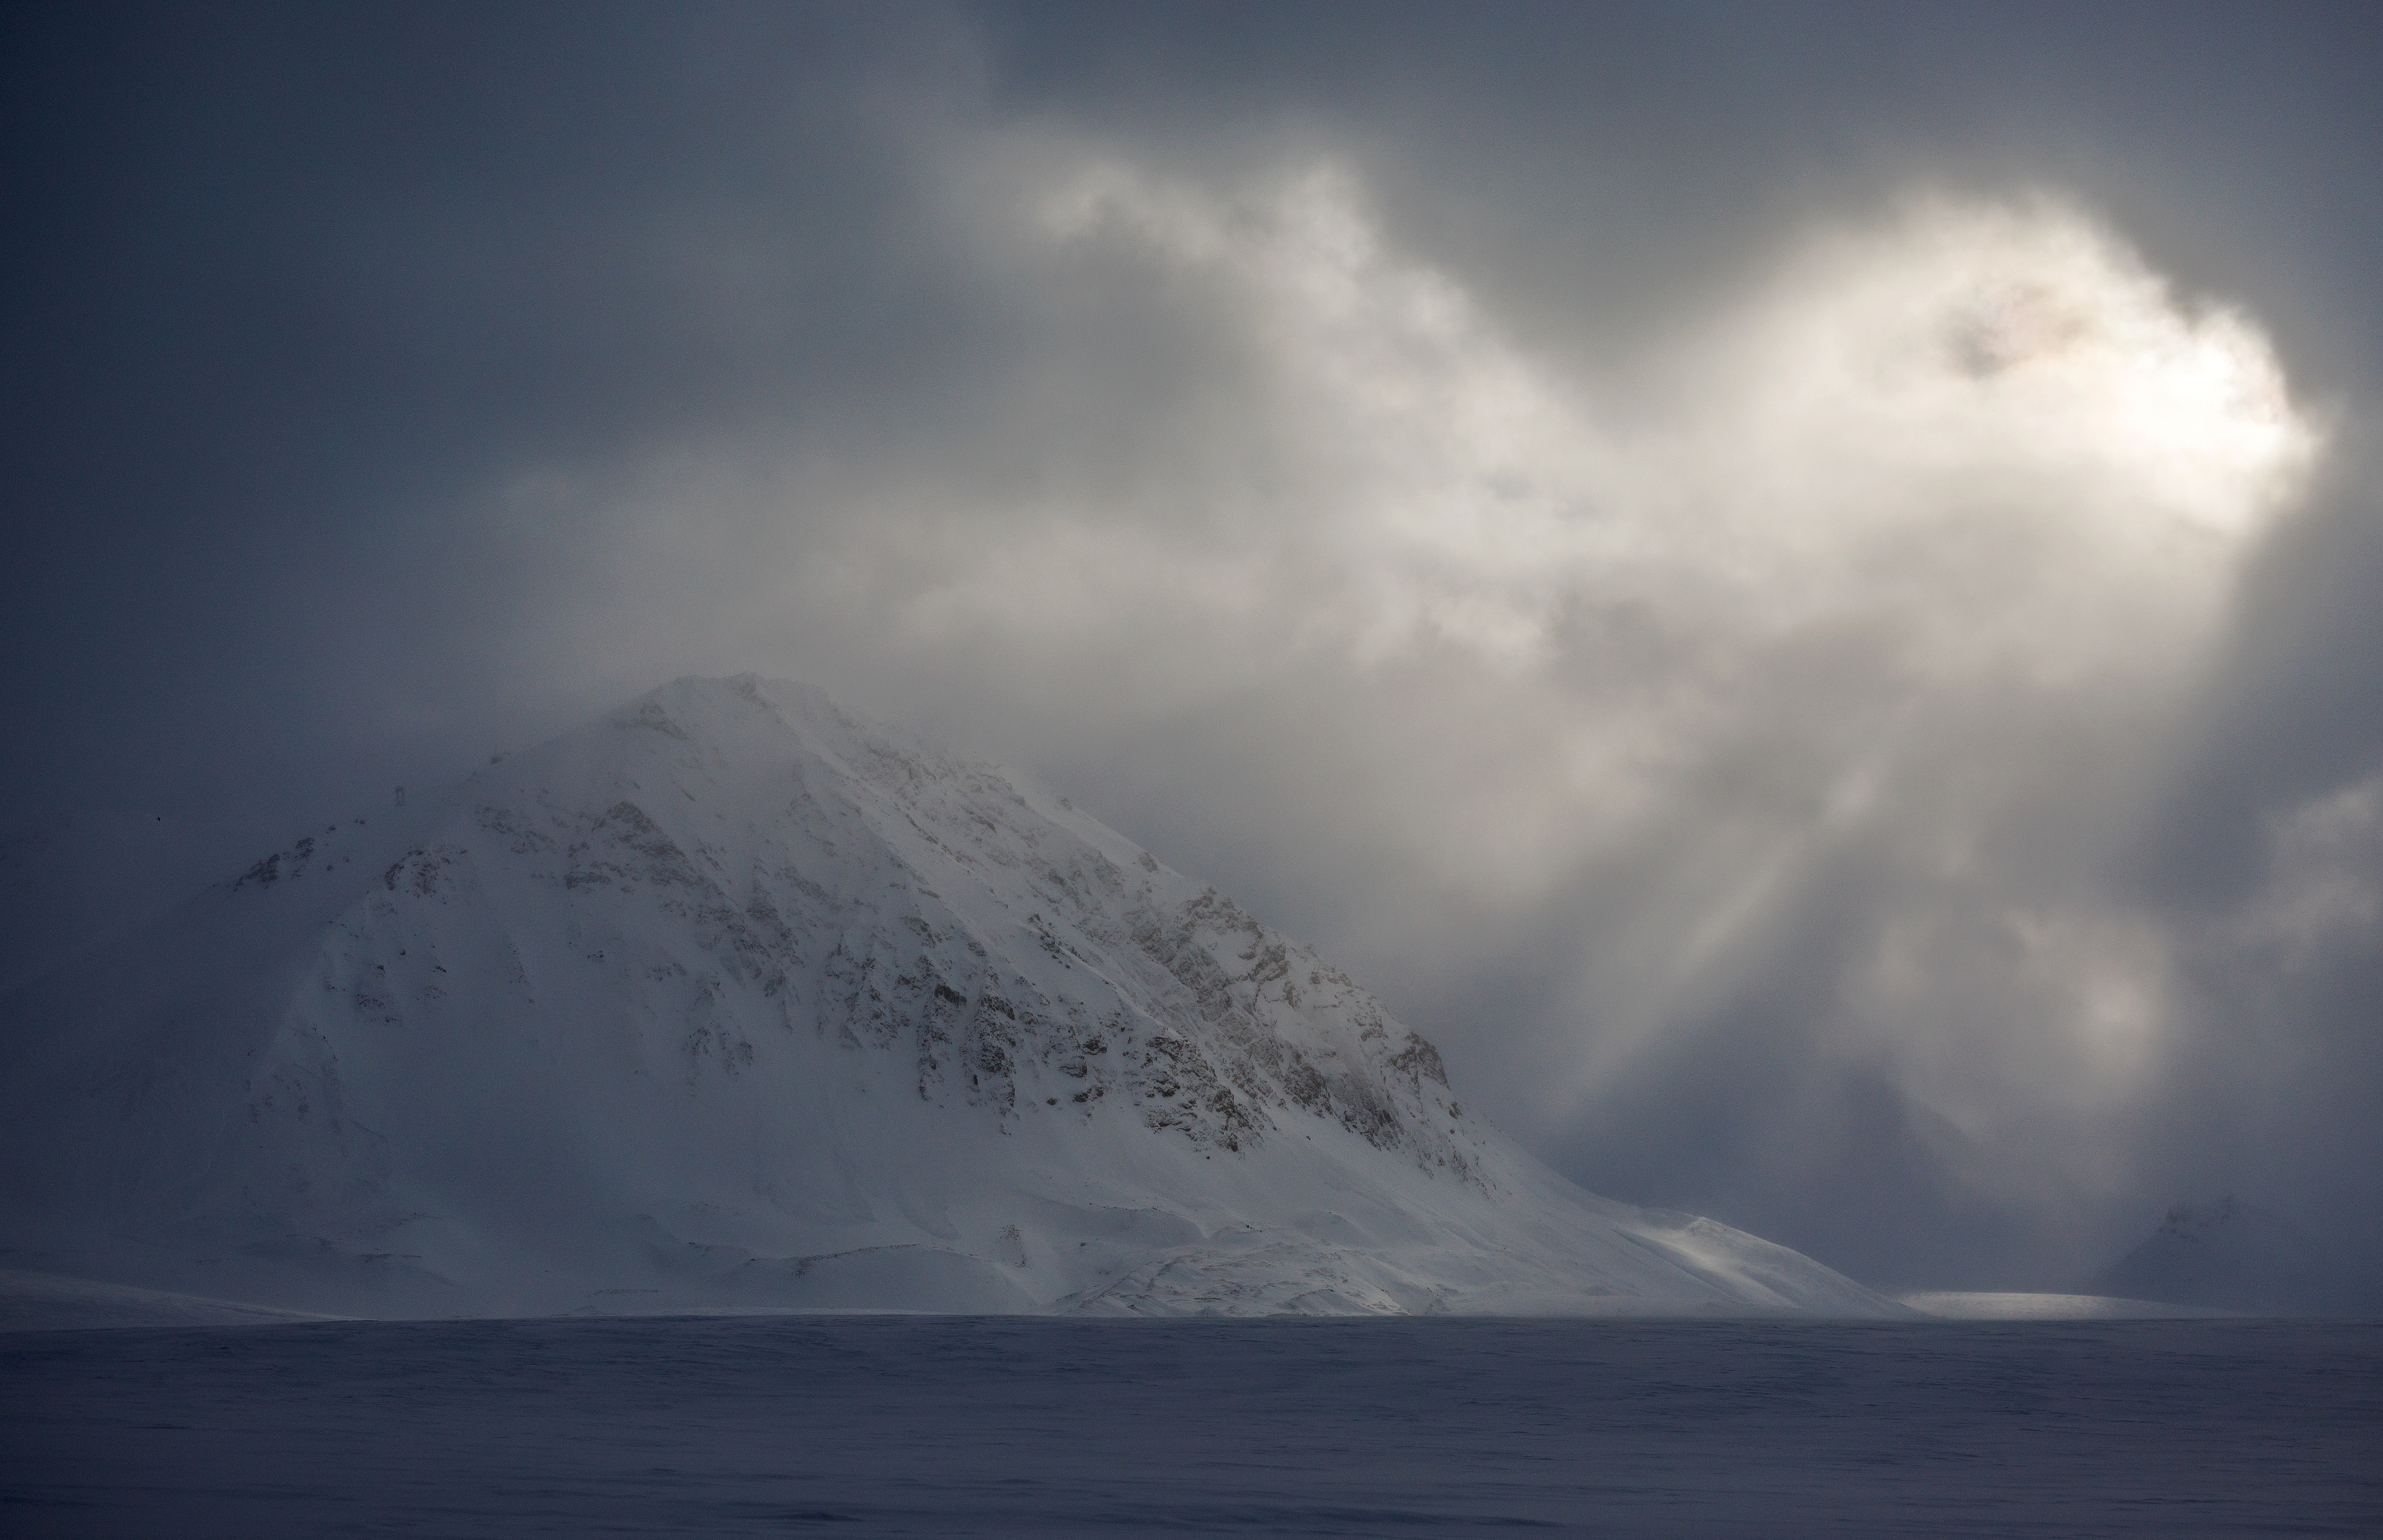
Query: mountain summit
[732,1000]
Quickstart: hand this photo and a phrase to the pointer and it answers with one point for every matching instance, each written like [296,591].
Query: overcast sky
[1793,583]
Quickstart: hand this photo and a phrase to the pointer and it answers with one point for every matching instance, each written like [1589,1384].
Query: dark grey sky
[1446,474]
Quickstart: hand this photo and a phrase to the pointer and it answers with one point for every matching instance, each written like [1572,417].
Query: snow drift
[731,1000]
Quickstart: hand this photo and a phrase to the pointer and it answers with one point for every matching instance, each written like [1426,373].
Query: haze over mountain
[2232,1255]
[730,998]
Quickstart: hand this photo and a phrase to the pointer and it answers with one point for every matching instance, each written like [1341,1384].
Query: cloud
[1809,662]
[1786,695]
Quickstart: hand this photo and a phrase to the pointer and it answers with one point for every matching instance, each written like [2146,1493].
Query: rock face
[732,1000]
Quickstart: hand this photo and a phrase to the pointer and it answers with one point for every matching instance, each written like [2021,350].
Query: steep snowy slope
[729,999]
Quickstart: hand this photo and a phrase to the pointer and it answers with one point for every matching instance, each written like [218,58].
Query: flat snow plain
[937,1425]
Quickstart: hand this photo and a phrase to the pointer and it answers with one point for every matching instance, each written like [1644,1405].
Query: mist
[1796,603]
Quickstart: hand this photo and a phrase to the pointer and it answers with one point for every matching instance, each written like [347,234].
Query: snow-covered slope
[733,1001]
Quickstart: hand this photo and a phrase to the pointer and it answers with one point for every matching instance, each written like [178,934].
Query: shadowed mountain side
[2231,1255]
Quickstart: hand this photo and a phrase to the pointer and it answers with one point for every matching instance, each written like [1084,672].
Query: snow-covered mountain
[2233,1255]
[733,1000]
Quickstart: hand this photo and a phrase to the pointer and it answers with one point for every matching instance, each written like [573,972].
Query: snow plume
[1726,751]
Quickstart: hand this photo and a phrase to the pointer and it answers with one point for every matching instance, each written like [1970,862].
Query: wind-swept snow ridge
[732,1000]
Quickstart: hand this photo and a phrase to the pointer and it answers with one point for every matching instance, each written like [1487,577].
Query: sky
[1791,583]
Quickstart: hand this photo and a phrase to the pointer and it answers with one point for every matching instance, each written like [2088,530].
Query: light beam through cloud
[1827,652]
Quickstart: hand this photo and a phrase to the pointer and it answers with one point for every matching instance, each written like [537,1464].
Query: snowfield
[1371,1427]
[731,1001]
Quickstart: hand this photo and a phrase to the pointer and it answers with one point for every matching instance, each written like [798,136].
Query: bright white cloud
[1944,514]
[1990,421]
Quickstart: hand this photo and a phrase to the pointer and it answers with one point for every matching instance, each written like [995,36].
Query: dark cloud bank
[1793,586]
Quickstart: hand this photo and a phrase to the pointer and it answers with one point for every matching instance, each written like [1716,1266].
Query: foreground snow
[1371,1427]
[731,1000]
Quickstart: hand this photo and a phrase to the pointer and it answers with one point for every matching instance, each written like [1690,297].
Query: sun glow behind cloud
[1950,509]
[1796,683]
[1990,415]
